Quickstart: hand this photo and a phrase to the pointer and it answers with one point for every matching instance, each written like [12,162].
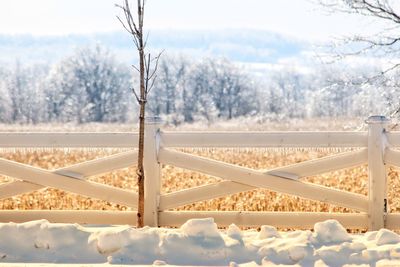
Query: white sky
[299,18]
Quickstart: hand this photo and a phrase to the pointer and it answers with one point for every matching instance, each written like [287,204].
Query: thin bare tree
[384,44]
[146,70]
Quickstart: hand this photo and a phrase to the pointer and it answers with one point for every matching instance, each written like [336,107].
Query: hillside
[255,46]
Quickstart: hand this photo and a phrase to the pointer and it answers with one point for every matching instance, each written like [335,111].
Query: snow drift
[197,242]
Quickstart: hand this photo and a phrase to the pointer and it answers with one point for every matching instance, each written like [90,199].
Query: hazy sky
[299,18]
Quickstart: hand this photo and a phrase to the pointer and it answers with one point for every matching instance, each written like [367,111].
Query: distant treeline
[91,86]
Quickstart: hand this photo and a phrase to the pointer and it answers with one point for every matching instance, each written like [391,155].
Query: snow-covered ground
[197,242]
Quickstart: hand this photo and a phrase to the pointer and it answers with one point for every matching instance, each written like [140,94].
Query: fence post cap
[377,119]
[153,120]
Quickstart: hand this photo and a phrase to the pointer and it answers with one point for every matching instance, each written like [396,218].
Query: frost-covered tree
[384,14]
[5,100]
[335,100]
[379,96]
[286,94]
[199,101]
[23,84]
[234,92]
[166,100]
[89,86]
[383,43]
[333,93]
[35,112]
[218,89]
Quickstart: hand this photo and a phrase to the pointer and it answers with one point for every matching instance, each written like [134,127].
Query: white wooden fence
[377,147]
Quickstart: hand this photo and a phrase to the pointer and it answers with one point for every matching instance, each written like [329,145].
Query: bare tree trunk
[142,102]
[140,168]
[147,78]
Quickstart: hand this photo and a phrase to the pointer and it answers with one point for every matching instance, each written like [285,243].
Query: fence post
[376,172]
[152,171]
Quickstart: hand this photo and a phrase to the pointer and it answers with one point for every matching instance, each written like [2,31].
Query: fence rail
[374,147]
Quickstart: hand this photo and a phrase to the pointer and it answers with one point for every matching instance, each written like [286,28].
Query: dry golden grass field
[354,180]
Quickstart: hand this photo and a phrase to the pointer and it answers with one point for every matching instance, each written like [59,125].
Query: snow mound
[286,248]
[197,242]
[200,227]
[268,231]
[127,245]
[41,241]
[384,237]
[330,232]
[234,232]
